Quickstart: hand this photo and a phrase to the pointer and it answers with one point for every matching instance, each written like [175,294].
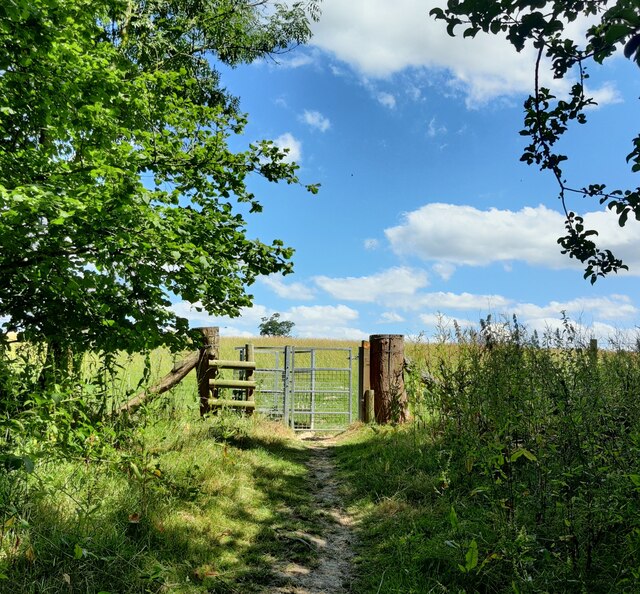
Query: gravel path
[331,572]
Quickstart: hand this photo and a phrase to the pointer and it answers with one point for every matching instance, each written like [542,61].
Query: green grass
[519,474]
[134,371]
[188,506]
[391,478]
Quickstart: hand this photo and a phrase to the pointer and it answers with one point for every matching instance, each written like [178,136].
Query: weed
[520,473]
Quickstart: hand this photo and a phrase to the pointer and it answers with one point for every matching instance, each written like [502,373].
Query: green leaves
[543,24]
[470,558]
[522,452]
[117,182]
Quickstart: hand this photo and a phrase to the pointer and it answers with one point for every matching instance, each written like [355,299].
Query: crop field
[135,370]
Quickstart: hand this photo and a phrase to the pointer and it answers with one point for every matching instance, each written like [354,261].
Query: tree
[118,187]
[544,24]
[274,326]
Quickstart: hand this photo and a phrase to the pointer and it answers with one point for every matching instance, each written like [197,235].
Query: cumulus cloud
[378,38]
[442,300]
[608,308]
[607,335]
[384,286]
[465,235]
[444,270]
[316,120]
[444,322]
[290,143]
[592,317]
[294,290]
[325,321]
[311,321]
[546,320]
[245,324]
[390,317]
[605,95]
[297,61]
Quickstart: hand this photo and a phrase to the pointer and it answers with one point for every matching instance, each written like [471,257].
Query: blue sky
[425,209]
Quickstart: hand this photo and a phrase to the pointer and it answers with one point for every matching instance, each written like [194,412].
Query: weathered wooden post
[210,349]
[249,375]
[364,372]
[369,406]
[387,379]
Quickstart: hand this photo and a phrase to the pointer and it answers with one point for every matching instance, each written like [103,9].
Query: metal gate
[308,388]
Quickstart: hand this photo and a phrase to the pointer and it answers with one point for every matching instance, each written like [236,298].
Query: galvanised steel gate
[308,388]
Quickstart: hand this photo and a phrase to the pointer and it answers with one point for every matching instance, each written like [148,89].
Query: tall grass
[161,502]
[520,473]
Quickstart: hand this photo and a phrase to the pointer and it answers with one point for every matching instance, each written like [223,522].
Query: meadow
[519,472]
[163,501]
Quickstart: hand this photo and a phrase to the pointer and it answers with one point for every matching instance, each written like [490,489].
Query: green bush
[520,472]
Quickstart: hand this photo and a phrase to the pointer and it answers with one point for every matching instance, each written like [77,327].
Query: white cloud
[465,235]
[389,317]
[546,324]
[386,99]
[414,92]
[384,286]
[442,300]
[316,120]
[288,142]
[589,315]
[325,321]
[297,61]
[607,94]
[608,308]
[606,334]
[306,314]
[445,322]
[444,270]
[244,325]
[288,291]
[378,38]
[316,321]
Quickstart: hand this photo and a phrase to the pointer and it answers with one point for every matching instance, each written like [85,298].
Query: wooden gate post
[210,349]
[369,410]
[364,374]
[387,380]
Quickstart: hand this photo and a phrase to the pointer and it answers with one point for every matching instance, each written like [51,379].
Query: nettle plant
[542,444]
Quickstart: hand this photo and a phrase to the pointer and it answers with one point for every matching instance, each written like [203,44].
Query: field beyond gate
[309,388]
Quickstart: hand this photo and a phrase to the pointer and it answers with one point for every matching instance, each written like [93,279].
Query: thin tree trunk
[175,376]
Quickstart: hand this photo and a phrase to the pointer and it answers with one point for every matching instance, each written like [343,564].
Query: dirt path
[331,572]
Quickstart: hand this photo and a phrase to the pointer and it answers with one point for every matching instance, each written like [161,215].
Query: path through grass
[331,570]
[189,507]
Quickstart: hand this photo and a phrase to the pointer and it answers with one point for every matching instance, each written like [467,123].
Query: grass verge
[520,474]
[188,506]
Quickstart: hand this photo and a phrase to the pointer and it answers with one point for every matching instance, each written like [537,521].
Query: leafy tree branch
[543,23]
[118,186]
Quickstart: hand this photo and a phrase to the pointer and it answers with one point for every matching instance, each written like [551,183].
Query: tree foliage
[118,186]
[544,23]
[274,326]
